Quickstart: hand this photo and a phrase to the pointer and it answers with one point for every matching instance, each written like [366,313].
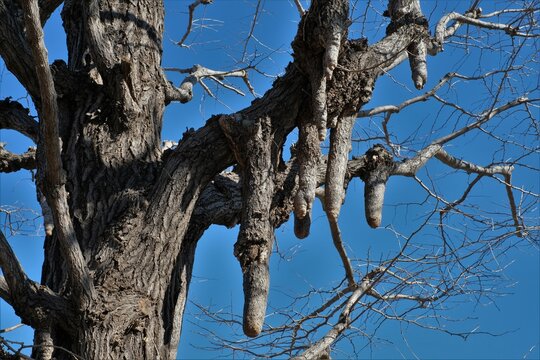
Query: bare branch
[227,86]
[509,11]
[10,162]
[411,166]
[197,73]
[251,29]
[53,172]
[49,107]
[512,201]
[299,7]
[208,91]
[330,337]
[14,48]
[338,243]
[425,96]
[14,274]
[192,7]
[14,116]
[468,167]
[471,18]
[33,302]
[463,197]
[11,328]
[485,117]
[7,344]
[395,297]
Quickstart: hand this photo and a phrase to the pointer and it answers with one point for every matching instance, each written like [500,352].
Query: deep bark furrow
[138,215]
[377,170]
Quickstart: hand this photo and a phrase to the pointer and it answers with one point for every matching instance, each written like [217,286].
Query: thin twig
[338,243]
[251,30]
[192,7]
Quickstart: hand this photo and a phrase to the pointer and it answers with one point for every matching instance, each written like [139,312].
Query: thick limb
[417,61]
[308,161]
[340,143]
[35,304]
[256,237]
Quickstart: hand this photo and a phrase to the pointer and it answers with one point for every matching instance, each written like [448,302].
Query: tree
[123,214]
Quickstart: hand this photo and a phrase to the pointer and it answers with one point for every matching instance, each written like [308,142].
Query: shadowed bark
[123,217]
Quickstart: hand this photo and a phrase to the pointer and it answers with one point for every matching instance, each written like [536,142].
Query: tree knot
[377,159]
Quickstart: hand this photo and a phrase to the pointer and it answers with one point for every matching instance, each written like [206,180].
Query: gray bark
[127,216]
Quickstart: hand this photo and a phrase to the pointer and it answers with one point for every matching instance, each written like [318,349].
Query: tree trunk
[133,207]
[111,106]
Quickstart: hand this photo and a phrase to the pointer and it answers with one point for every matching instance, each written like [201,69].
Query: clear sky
[217,42]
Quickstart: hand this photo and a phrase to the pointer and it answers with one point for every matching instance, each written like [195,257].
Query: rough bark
[317,49]
[137,212]
[378,168]
[12,162]
[256,237]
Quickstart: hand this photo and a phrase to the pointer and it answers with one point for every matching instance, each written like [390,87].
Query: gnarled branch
[197,74]
[34,303]
[340,143]
[256,237]
[14,116]
[10,162]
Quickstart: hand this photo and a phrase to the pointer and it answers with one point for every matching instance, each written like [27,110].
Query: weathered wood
[135,210]
[256,237]
[376,172]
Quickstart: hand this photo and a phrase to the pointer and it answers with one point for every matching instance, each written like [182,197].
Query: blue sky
[217,42]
